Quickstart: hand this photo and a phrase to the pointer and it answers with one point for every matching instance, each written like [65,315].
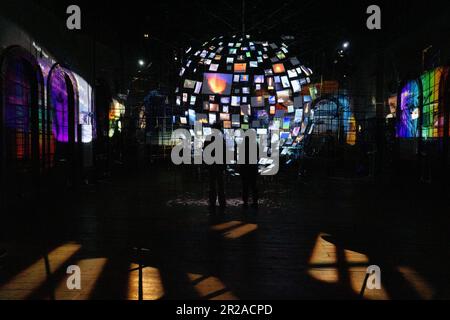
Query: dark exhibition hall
[238,150]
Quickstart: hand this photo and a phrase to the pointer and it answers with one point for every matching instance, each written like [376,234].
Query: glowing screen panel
[59,98]
[217,83]
[85,109]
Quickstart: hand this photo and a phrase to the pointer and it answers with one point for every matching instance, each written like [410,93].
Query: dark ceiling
[317,27]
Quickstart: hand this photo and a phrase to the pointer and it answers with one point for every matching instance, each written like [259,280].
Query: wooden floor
[150,236]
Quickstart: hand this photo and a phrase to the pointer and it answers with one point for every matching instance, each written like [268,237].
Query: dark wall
[23,22]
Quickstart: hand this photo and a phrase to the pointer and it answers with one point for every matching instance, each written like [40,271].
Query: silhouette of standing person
[249,174]
[216,178]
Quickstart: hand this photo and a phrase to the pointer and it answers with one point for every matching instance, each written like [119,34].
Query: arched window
[22,120]
[18,110]
[326,117]
[63,111]
[333,115]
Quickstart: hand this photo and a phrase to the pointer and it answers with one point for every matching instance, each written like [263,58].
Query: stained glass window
[60,106]
[18,110]
[433,113]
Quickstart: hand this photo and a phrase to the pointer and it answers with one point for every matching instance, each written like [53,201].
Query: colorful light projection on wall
[59,98]
[351,131]
[409,112]
[334,115]
[326,117]
[18,110]
[116,113]
[85,109]
[433,109]
[41,94]
[56,114]
[48,138]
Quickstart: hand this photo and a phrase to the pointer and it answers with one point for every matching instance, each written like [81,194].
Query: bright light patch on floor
[324,252]
[91,270]
[241,231]
[422,287]
[226,225]
[152,286]
[324,263]
[356,257]
[27,281]
[327,275]
[324,257]
[210,288]
[357,277]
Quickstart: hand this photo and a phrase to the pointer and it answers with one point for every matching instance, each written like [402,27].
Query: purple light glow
[17,110]
[60,103]
[409,111]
